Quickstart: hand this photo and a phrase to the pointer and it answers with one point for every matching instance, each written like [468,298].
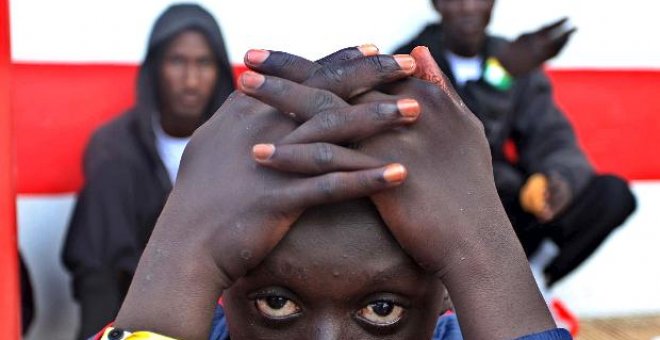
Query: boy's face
[338,274]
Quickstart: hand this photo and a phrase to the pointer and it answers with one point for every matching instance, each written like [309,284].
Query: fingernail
[408,108]
[262,152]
[405,61]
[252,80]
[256,56]
[395,173]
[368,49]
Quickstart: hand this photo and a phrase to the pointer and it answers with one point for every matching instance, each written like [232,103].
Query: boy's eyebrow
[396,271]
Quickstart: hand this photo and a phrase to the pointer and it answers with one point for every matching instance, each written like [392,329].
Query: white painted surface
[622,278]
[612,34]
[42,222]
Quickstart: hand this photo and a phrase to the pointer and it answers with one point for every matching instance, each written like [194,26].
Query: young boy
[347,271]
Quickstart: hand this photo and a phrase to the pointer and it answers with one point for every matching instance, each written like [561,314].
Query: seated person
[550,190]
[291,265]
[131,162]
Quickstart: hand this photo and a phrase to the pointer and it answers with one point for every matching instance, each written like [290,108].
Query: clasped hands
[300,134]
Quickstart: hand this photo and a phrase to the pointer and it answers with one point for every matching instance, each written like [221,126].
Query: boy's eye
[381,313]
[277,307]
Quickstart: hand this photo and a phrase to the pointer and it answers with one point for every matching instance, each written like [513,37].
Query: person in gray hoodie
[549,188]
[130,163]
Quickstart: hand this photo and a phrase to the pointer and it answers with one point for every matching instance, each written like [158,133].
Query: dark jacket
[526,114]
[126,183]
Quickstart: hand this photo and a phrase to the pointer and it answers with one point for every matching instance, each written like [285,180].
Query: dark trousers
[602,206]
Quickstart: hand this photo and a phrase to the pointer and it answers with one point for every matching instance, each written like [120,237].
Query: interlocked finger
[301,102]
[296,68]
[312,159]
[355,123]
[349,53]
[350,78]
[340,186]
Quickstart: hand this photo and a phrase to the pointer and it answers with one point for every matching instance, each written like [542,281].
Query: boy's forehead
[352,228]
[339,242]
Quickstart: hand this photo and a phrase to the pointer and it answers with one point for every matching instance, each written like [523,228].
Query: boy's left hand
[448,216]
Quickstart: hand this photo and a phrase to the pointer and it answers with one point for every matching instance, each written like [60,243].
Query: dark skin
[187,79]
[475,254]
[338,274]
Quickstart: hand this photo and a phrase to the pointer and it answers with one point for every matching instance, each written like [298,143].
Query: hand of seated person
[531,50]
[447,216]
[545,196]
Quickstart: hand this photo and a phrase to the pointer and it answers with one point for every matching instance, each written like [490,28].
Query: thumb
[427,69]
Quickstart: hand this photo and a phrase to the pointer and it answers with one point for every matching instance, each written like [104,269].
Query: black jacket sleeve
[544,137]
[100,237]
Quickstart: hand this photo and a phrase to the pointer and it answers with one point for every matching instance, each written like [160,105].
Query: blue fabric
[446,329]
[553,334]
[219,330]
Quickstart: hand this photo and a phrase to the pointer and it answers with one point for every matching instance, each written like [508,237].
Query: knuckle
[277,87]
[323,155]
[288,60]
[477,124]
[283,59]
[324,100]
[383,65]
[329,121]
[383,111]
[364,181]
[433,91]
[327,185]
[376,62]
[341,55]
[333,74]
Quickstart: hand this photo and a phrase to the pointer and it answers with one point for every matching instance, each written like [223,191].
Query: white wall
[611,34]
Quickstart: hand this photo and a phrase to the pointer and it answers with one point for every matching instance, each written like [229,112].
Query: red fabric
[57,106]
[99,335]
[564,317]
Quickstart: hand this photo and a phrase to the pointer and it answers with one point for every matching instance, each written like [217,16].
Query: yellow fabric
[140,335]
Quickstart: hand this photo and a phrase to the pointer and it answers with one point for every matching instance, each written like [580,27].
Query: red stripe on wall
[9,287]
[57,106]
[56,109]
[616,115]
